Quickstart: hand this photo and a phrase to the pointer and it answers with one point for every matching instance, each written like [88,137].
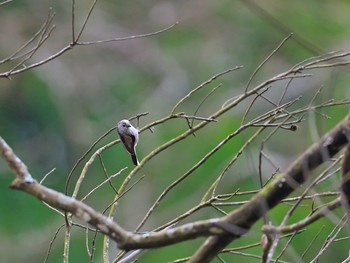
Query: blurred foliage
[51,115]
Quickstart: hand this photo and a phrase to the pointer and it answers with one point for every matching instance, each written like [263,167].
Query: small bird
[129,135]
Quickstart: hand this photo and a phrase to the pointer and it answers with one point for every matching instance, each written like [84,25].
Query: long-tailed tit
[129,135]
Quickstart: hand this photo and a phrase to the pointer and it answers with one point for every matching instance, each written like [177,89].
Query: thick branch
[125,240]
[345,183]
[284,184]
[77,208]
[17,166]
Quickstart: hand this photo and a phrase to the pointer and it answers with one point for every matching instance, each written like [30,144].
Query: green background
[52,114]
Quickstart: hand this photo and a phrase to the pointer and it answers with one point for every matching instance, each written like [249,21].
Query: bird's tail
[134,159]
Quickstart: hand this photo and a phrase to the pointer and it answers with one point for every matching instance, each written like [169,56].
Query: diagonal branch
[284,184]
[125,240]
[345,184]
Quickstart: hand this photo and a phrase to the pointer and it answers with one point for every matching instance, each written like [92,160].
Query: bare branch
[204,99]
[102,183]
[51,243]
[85,21]
[329,145]
[324,211]
[15,70]
[124,239]
[126,38]
[345,184]
[9,73]
[266,59]
[5,2]
[44,27]
[17,166]
[203,85]
[330,239]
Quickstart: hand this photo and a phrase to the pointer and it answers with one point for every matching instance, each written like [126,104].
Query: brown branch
[125,240]
[266,59]
[9,73]
[284,184]
[17,166]
[305,222]
[203,85]
[116,39]
[330,239]
[70,46]
[40,32]
[345,183]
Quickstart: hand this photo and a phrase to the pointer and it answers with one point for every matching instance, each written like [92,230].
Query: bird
[129,136]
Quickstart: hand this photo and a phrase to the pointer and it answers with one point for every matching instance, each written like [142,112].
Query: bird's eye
[123,124]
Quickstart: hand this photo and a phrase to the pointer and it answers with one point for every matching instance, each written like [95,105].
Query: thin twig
[46,175]
[75,40]
[26,44]
[5,2]
[310,244]
[73,21]
[51,243]
[330,239]
[203,85]
[265,60]
[126,38]
[202,102]
[106,174]
[102,183]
